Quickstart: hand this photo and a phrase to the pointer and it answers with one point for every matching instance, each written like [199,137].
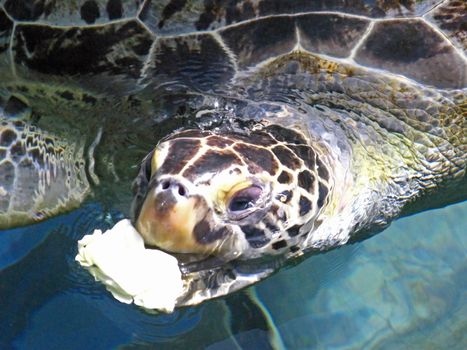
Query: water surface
[404,288]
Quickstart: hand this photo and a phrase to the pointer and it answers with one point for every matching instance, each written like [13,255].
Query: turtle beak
[168,218]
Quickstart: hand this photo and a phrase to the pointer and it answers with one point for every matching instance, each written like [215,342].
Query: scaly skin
[393,120]
[385,160]
[40,175]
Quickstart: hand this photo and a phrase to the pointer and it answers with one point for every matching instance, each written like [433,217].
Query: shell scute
[254,42]
[196,60]
[413,49]
[451,17]
[181,16]
[333,35]
[117,49]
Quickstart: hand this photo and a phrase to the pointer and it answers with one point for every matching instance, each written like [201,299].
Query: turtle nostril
[174,186]
[181,190]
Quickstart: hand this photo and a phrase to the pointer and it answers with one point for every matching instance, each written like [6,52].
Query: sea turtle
[288,126]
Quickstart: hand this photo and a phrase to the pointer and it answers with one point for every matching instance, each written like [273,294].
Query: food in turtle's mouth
[147,277]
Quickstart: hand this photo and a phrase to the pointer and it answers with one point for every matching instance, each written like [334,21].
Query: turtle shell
[123,46]
[102,75]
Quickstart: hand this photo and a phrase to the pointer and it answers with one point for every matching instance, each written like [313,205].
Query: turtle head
[230,194]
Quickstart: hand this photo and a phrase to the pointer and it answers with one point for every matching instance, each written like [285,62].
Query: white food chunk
[150,278]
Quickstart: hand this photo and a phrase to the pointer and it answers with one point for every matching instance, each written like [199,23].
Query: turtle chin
[179,223]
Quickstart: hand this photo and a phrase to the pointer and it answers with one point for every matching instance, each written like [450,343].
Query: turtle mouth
[198,264]
[176,221]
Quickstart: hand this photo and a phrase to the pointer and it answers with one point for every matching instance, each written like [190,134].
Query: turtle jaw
[169,220]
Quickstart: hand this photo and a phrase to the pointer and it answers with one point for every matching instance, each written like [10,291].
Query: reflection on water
[404,288]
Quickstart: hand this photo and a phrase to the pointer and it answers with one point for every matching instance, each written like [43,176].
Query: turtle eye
[244,199]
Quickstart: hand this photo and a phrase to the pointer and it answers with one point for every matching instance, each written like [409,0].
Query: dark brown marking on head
[274,209]
[211,162]
[323,192]
[270,225]
[284,177]
[279,214]
[255,237]
[257,159]
[286,157]
[306,180]
[179,154]
[287,194]
[294,230]
[200,231]
[279,244]
[205,235]
[322,170]
[306,154]
[217,141]
[283,216]
[294,249]
[286,135]
[262,139]
[305,205]
[258,138]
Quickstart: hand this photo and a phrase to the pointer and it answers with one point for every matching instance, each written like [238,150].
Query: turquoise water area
[405,288]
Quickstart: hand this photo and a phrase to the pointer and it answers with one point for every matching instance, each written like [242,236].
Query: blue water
[405,288]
